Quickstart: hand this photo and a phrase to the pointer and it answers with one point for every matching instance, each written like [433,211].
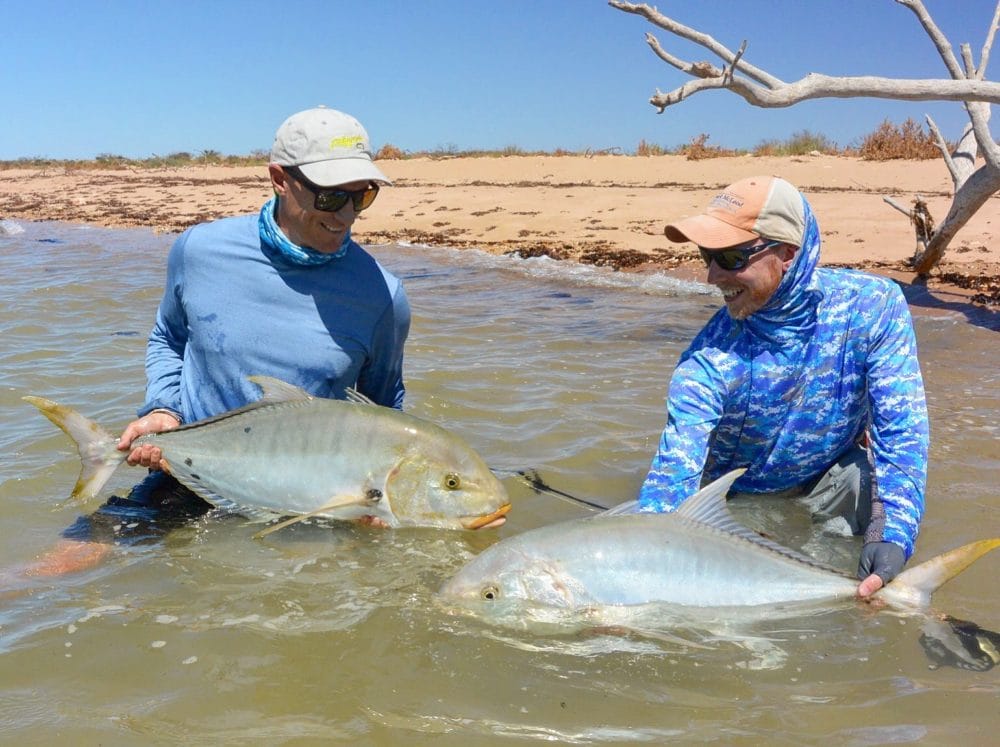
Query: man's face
[747,289]
[301,222]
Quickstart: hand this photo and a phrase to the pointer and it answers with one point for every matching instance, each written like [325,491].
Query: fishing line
[534,481]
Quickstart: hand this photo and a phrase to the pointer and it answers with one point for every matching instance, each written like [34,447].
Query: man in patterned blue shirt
[808,378]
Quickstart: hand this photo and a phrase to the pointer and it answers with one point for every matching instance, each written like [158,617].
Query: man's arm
[164,360]
[67,556]
[381,379]
[167,340]
[899,434]
[694,407]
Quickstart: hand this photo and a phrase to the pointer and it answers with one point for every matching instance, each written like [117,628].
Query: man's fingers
[870,585]
[145,456]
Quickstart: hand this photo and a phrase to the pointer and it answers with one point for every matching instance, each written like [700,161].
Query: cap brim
[707,231]
[337,171]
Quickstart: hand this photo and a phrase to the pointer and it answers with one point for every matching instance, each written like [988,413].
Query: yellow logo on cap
[349,141]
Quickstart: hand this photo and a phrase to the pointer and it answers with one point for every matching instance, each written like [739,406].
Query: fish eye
[452,481]
[490,593]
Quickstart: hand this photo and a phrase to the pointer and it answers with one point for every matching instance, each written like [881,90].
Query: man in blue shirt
[808,378]
[286,293]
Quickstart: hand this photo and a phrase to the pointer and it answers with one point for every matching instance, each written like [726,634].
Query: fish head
[450,488]
[509,573]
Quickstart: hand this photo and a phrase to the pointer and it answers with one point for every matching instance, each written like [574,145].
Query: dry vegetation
[889,141]
[907,141]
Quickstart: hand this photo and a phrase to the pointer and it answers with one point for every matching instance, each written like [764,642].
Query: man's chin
[737,312]
[330,247]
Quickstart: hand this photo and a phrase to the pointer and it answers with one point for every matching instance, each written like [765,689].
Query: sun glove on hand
[884,559]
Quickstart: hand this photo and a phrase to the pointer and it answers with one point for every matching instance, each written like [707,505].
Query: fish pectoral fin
[338,502]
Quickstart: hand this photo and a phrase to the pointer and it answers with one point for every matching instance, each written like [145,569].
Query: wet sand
[605,210]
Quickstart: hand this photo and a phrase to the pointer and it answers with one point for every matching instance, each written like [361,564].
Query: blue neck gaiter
[274,239]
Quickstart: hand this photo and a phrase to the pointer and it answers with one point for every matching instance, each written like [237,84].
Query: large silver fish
[291,453]
[696,557]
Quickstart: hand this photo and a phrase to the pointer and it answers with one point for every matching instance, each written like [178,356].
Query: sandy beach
[607,210]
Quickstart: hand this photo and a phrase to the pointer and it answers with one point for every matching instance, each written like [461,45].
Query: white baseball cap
[329,147]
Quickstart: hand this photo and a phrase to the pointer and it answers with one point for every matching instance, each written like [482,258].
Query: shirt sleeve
[381,378]
[694,407]
[167,340]
[899,428]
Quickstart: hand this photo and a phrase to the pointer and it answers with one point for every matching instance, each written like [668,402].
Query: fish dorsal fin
[628,507]
[708,507]
[353,395]
[276,390]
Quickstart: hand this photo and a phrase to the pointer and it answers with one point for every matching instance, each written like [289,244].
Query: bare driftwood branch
[817,86]
[967,84]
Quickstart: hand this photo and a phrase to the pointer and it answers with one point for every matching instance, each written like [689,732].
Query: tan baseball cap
[328,146]
[758,206]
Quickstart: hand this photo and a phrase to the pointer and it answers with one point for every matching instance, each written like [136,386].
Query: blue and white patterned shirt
[789,389]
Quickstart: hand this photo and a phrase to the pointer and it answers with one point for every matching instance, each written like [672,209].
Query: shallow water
[321,633]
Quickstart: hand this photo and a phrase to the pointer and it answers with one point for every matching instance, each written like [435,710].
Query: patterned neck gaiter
[274,239]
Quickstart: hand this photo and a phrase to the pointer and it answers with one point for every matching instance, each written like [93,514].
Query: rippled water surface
[323,633]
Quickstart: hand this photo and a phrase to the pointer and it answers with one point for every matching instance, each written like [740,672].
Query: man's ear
[279,179]
[787,256]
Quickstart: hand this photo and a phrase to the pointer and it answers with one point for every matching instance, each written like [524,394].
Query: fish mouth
[477,522]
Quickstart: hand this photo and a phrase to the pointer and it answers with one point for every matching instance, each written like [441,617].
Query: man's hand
[371,521]
[146,455]
[879,564]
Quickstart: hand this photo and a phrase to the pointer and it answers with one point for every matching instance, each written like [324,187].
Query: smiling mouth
[479,522]
[728,294]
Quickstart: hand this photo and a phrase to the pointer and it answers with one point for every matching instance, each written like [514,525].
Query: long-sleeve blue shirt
[789,389]
[230,310]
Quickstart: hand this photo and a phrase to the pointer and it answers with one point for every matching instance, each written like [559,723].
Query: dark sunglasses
[330,200]
[736,258]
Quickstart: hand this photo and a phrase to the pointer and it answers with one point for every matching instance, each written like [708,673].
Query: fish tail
[99,454]
[915,585]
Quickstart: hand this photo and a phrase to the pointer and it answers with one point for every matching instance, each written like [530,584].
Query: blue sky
[86,77]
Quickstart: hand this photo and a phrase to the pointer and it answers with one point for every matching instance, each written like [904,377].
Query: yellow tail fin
[99,455]
[914,586]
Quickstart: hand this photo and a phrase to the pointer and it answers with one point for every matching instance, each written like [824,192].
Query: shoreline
[604,210]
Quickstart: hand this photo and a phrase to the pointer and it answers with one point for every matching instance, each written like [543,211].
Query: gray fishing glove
[884,559]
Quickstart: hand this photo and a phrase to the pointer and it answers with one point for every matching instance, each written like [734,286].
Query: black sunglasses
[736,258]
[330,200]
